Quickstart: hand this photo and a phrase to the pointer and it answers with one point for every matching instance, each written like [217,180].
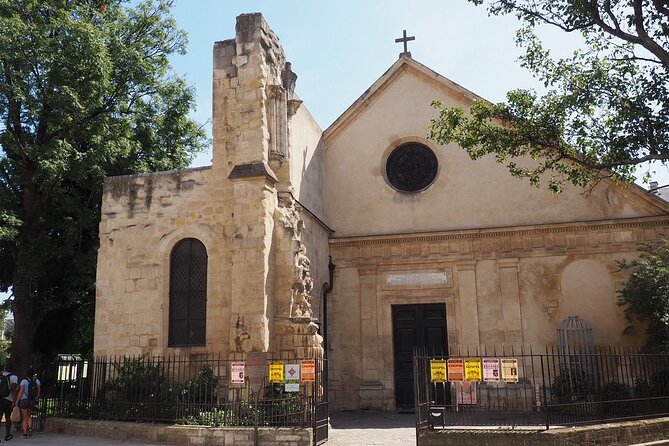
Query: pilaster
[468,317]
[510,293]
[255,200]
[371,387]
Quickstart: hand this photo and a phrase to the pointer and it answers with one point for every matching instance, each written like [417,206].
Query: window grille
[576,349]
[188,294]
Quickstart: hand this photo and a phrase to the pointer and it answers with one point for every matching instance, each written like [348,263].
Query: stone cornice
[258,169]
[470,234]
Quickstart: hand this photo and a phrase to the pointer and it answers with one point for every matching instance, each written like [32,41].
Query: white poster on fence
[491,369]
[237,372]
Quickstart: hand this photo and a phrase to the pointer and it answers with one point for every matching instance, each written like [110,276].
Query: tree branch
[638,19]
[659,7]
[642,40]
[612,16]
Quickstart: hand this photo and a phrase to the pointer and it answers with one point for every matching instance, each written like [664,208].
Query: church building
[366,234]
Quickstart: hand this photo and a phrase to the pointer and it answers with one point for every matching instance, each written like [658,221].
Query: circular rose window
[411,167]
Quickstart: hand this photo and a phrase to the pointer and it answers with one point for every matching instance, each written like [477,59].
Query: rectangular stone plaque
[417,279]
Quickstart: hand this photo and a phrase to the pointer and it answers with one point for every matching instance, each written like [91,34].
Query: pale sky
[339,48]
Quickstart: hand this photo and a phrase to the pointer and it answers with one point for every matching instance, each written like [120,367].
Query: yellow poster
[276,372]
[473,371]
[438,370]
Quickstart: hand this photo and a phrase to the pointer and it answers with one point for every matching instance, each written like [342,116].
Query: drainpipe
[328,289]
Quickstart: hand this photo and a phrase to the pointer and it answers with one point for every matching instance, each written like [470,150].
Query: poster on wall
[509,370]
[237,370]
[491,371]
[456,370]
[438,370]
[473,370]
[276,372]
[292,372]
[308,370]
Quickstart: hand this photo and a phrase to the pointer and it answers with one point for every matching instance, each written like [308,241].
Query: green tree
[86,91]
[605,109]
[645,295]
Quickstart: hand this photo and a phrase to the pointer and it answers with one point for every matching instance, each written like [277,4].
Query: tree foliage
[605,109]
[86,91]
[645,295]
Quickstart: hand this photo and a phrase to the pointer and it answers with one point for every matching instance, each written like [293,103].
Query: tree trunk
[26,263]
[24,327]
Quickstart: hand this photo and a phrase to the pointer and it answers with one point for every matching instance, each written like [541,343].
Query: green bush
[657,386]
[134,378]
[201,390]
[140,391]
[612,391]
[659,383]
[573,384]
[610,395]
[279,409]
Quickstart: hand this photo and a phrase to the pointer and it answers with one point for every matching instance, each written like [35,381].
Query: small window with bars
[188,294]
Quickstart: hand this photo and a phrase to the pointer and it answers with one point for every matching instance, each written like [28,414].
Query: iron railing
[194,390]
[553,389]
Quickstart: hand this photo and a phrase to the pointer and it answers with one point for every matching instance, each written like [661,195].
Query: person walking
[29,393]
[8,384]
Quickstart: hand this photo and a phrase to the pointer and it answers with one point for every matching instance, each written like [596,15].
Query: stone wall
[181,435]
[611,434]
[508,286]
[143,217]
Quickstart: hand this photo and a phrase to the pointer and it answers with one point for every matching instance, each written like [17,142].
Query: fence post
[543,391]
[256,415]
[416,384]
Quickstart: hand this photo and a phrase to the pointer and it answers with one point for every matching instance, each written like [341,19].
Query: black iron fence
[280,391]
[546,388]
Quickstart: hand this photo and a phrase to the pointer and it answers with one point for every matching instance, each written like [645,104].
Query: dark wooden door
[415,326]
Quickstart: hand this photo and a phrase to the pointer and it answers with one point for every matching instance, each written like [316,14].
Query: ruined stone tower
[248,210]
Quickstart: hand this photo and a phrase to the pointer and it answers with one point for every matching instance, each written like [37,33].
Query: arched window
[188,293]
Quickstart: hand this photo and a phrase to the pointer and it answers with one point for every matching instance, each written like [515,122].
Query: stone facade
[282,196]
[247,209]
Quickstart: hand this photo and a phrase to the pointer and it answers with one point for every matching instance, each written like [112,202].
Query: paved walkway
[368,428]
[40,438]
[361,428]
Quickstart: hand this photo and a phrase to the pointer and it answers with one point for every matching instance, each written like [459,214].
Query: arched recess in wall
[588,291]
[188,294]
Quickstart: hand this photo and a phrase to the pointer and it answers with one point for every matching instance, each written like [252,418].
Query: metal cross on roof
[404,39]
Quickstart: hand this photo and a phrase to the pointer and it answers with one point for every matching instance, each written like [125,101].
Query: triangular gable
[634,192]
[652,203]
[403,64]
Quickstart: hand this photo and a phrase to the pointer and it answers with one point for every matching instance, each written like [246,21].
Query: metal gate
[321,411]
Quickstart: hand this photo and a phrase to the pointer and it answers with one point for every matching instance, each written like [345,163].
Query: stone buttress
[271,283]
